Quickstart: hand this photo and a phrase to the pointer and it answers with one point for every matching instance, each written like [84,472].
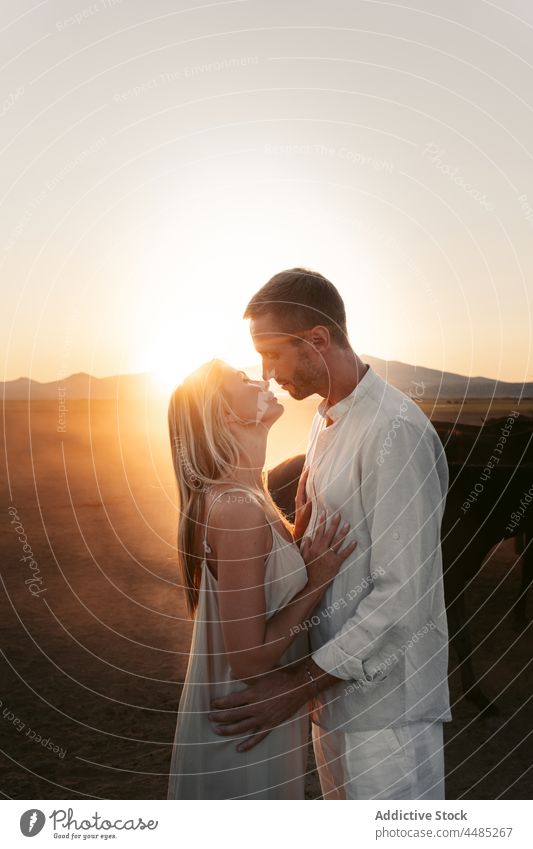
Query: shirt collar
[336,411]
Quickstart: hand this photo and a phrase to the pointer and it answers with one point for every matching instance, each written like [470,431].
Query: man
[377,675]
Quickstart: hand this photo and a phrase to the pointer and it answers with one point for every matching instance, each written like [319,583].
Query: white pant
[401,762]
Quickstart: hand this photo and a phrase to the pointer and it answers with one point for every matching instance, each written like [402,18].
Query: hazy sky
[161,160]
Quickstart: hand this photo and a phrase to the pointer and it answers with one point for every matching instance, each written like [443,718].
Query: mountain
[417,381]
[444,384]
[81,385]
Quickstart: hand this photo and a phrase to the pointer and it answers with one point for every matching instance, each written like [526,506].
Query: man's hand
[303,507]
[271,699]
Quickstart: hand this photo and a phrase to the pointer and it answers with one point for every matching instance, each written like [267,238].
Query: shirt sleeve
[403,490]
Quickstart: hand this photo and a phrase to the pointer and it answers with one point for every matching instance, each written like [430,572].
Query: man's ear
[319,337]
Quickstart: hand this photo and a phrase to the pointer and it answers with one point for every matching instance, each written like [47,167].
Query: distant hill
[445,384]
[81,385]
[431,384]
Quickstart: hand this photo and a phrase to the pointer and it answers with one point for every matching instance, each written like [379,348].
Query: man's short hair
[300,299]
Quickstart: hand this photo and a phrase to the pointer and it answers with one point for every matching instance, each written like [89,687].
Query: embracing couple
[339,616]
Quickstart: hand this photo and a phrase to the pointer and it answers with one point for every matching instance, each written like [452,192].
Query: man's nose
[268,373]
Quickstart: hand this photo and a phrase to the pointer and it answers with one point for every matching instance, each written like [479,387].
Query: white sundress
[205,765]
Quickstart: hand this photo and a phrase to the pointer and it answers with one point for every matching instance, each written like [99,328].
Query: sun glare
[200,266]
[167,363]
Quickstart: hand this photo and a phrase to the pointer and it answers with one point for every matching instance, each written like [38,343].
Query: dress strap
[207,547]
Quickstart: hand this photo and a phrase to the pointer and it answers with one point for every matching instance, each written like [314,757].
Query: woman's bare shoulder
[234,508]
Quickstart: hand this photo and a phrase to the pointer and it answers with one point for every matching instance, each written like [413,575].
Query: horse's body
[468,532]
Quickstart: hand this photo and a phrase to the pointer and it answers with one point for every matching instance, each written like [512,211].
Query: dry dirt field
[92,665]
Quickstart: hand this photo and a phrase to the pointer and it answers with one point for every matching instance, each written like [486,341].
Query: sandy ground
[92,666]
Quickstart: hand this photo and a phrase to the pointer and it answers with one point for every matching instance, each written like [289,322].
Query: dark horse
[497,510]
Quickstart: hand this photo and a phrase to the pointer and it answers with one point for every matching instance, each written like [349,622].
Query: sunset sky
[160,161]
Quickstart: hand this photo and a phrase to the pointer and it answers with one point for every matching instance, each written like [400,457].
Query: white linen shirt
[381,625]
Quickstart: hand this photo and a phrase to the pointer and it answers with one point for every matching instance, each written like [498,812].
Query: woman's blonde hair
[205,451]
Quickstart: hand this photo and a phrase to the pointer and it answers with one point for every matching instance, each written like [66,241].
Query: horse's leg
[461,642]
[524,547]
[519,543]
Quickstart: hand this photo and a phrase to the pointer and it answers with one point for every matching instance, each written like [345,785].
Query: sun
[165,379]
[169,360]
[167,364]
[181,330]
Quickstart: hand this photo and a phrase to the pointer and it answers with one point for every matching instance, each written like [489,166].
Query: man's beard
[306,381]
[298,393]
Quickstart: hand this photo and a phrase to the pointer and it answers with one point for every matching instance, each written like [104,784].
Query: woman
[247,583]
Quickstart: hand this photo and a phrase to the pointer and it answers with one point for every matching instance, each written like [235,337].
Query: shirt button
[395,535]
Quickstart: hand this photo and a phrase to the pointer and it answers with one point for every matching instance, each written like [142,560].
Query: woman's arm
[241,541]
